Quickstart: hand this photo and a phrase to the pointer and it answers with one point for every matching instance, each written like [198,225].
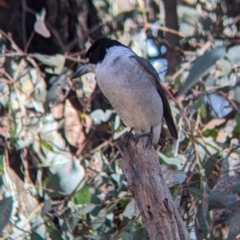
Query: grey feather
[167,114]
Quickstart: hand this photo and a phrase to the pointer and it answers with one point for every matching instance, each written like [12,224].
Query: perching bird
[131,85]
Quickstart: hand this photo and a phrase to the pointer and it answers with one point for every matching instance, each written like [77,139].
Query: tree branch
[153,198]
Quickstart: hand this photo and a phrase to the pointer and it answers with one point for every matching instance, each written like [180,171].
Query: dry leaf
[213,123]
[72,126]
[41,29]
[40,26]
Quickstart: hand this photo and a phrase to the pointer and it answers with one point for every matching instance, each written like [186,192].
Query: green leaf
[54,233]
[202,66]
[201,227]
[117,123]
[46,145]
[178,162]
[2,162]
[203,111]
[131,210]
[237,93]
[85,209]
[83,196]
[67,178]
[39,230]
[197,192]
[134,230]
[116,177]
[198,103]
[233,54]
[98,221]
[237,127]
[175,177]
[225,66]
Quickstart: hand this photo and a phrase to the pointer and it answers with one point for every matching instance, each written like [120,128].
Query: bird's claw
[127,135]
[150,137]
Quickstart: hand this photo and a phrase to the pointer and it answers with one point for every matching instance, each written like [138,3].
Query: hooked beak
[82,70]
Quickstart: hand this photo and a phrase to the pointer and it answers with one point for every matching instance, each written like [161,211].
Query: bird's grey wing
[167,114]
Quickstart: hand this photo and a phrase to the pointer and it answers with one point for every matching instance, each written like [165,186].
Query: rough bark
[143,173]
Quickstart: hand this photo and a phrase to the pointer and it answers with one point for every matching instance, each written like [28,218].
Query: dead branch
[153,198]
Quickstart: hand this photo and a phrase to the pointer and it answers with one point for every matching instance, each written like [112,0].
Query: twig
[9,37]
[165,29]
[29,41]
[24,33]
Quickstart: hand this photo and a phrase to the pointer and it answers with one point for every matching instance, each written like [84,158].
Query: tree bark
[171,20]
[143,173]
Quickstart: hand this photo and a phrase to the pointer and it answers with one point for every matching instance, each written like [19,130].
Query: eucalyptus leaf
[175,177]
[202,66]
[233,54]
[60,87]
[22,228]
[87,208]
[225,66]
[237,94]
[98,116]
[39,230]
[72,125]
[83,196]
[131,210]
[201,226]
[4,94]
[116,177]
[196,191]
[67,179]
[40,26]
[178,162]
[54,233]
[46,145]
[56,61]
[117,122]
[6,207]
[100,219]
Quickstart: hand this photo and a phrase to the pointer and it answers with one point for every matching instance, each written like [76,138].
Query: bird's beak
[82,70]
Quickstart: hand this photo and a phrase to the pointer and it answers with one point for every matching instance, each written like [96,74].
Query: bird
[131,85]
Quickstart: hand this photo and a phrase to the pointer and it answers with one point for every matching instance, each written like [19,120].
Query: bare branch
[143,172]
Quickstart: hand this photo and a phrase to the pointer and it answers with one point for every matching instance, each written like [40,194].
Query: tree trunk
[171,20]
[143,172]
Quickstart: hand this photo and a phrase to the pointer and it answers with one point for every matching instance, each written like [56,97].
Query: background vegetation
[60,176]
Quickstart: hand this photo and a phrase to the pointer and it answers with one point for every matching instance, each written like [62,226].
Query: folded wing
[167,114]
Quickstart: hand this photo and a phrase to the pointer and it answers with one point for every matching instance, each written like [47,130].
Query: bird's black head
[98,50]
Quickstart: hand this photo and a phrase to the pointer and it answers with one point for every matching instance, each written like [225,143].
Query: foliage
[60,176]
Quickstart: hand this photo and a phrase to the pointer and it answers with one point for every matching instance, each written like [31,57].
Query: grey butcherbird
[131,85]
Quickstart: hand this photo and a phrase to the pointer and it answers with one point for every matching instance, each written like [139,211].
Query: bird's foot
[127,135]
[150,137]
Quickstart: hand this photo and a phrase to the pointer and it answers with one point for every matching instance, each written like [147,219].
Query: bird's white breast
[129,89]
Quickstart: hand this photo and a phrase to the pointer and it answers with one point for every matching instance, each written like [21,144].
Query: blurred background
[60,173]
